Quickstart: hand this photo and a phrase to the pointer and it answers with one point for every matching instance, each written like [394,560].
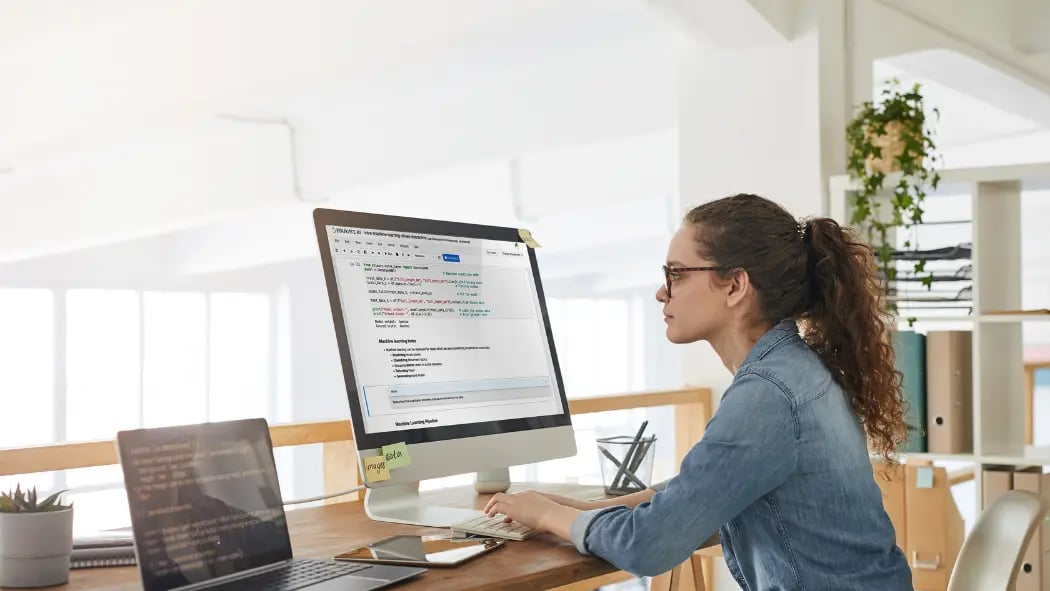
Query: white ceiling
[77,72]
[115,104]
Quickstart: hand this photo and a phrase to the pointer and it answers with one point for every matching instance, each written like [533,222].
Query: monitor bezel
[356,219]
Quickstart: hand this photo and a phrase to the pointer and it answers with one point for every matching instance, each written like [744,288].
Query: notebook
[104,548]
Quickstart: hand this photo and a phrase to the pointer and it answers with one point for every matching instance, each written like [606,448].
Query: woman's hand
[534,510]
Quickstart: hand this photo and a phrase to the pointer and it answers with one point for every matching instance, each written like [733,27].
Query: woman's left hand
[534,510]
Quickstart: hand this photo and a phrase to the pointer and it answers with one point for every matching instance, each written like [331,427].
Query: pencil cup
[626,463]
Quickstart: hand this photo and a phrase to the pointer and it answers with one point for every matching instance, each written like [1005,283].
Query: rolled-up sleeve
[748,449]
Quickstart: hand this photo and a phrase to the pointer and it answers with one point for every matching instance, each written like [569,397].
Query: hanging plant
[891,139]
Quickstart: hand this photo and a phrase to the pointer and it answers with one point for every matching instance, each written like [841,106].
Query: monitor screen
[204,500]
[442,329]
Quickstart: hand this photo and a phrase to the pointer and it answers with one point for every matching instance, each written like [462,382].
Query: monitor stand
[401,503]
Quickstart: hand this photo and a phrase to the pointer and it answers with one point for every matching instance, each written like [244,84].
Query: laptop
[206,513]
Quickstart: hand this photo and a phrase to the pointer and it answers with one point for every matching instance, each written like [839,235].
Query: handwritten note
[396,455]
[526,236]
[376,469]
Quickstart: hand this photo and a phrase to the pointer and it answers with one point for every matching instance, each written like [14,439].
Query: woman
[783,470]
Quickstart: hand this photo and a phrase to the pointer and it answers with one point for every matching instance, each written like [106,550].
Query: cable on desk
[323,497]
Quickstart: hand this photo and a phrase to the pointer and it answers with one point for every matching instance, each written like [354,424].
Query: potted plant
[892,139]
[36,539]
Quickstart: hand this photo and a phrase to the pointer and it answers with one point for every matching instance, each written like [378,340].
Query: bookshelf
[999,388]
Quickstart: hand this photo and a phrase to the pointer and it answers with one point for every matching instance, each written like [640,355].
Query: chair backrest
[992,553]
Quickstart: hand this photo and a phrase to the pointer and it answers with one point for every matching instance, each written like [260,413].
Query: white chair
[992,553]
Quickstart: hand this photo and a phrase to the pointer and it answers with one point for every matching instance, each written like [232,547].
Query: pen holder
[626,463]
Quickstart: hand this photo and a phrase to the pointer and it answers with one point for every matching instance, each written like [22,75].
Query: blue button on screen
[451,258]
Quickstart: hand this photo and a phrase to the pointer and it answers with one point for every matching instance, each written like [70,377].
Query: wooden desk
[542,562]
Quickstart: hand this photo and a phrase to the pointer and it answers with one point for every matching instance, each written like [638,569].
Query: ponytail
[824,276]
[845,322]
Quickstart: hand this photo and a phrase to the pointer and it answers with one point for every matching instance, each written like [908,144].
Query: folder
[995,480]
[949,391]
[909,349]
[1034,574]
[935,527]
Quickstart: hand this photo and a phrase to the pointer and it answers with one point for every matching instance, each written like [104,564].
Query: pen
[629,475]
[630,454]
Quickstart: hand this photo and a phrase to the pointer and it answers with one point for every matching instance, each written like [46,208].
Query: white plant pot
[35,548]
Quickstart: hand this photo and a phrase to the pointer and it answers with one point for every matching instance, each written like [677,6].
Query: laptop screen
[204,500]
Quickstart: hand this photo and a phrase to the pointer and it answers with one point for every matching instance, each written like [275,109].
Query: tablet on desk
[422,551]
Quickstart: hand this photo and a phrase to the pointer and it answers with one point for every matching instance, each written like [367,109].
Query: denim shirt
[782,473]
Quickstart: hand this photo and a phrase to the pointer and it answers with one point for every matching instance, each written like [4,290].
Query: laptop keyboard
[296,575]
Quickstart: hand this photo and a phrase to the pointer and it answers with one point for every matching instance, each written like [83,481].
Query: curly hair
[823,276]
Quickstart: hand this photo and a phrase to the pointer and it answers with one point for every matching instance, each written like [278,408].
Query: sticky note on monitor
[396,455]
[924,477]
[376,469]
[527,238]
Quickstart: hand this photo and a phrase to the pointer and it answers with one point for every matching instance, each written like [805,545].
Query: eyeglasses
[671,274]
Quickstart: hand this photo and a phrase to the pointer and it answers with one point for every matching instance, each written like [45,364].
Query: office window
[27,374]
[592,340]
[239,368]
[103,363]
[596,342]
[174,363]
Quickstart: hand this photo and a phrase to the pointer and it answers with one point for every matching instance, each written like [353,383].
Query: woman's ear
[739,288]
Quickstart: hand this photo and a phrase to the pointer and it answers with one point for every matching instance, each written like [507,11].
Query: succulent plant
[19,501]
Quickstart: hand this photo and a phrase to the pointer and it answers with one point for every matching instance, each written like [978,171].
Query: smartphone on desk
[422,551]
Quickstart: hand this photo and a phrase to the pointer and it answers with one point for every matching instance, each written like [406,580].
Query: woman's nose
[661,294]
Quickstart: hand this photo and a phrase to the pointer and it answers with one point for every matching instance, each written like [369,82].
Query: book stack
[106,548]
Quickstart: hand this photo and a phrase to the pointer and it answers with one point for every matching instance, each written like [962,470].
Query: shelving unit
[998,374]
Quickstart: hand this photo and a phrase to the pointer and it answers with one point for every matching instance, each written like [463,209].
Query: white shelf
[941,457]
[1032,177]
[1004,318]
[933,457]
[998,401]
[1021,460]
[1017,460]
[925,319]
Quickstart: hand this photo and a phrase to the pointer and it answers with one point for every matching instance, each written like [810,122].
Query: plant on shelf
[36,539]
[892,139]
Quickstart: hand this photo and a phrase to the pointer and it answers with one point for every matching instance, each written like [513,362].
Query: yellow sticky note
[526,236]
[396,455]
[375,469]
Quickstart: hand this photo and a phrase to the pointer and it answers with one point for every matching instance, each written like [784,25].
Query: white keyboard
[494,527]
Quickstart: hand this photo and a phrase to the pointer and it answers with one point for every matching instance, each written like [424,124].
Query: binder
[909,349]
[949,391]
[1034,573]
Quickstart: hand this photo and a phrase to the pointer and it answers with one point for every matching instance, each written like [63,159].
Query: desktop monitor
[446,346]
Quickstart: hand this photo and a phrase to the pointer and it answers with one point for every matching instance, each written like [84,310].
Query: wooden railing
[692,411]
